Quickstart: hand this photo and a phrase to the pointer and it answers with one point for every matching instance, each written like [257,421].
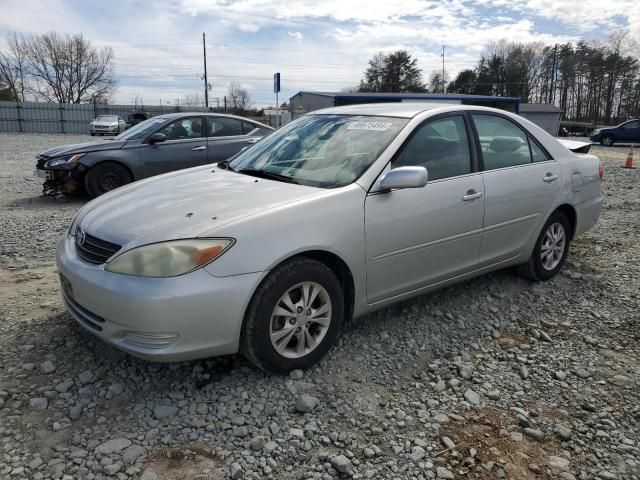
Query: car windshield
[320,150]
[142,129]
[107,118]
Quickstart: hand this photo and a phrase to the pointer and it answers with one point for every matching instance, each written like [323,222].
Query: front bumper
[191,316]
[103,130]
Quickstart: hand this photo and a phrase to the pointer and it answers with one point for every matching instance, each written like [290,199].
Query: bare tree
[193,100]
[13,66]
[239,99]
[68,69]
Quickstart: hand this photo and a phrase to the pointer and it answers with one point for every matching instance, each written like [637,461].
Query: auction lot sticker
[376,126]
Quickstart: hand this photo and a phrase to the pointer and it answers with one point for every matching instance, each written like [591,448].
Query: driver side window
[183,128]
[441,146]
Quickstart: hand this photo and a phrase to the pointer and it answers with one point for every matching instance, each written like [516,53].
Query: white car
[337,214]
[107,125]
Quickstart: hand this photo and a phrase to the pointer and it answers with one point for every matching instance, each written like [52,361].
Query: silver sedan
[342,212]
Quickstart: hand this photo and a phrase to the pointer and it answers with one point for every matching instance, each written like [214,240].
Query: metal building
[544,115]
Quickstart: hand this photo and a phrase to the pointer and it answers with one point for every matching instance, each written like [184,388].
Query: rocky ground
[494,378]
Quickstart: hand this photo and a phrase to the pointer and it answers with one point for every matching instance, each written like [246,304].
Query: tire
[93,134]
[538,270]
[104,177]
[606,141]
[261,319]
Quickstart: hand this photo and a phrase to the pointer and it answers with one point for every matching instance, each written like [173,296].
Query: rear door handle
[253,140]
[197,149]
[550,177]
[471,195]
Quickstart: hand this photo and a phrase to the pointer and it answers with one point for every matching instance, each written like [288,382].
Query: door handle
[471,195]
[550,177]
[253,140]
[197,149]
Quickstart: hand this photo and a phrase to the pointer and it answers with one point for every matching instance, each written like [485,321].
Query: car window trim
[472,152]
[529,136]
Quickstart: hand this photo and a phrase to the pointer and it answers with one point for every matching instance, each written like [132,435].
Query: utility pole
[225,104]
[552,93]
[443,80]
[206,84]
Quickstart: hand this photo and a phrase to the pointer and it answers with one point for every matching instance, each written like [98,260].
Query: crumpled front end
[59,179]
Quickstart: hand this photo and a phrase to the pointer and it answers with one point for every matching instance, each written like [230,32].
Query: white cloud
[315,44]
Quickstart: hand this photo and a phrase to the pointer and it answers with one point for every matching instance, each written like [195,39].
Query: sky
[320,45]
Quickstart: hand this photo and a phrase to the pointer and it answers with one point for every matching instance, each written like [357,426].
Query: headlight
[69,159]
[169,259]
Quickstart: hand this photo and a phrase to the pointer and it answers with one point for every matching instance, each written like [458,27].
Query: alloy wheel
[300,320]
[553,245]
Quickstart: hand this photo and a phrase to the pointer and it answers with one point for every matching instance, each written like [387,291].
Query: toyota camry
[339,213]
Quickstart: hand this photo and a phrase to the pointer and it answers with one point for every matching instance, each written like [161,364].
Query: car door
[185,146]
[227,136]
[630,131]
[521,182]
[418,237]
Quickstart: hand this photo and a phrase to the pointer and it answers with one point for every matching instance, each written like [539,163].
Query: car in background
[138,116]
[158,145]
[625,132]
[342,212]
[107,125]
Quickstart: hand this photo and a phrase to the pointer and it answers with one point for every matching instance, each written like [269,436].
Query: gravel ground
[493,378]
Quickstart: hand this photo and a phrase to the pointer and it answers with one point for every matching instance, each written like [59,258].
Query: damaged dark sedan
[158,145]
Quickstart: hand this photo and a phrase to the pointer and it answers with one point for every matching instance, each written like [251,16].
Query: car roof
[171,116]
[397,109]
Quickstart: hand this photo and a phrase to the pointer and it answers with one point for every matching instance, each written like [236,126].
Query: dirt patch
[510,339]
[185,463]
[495,442]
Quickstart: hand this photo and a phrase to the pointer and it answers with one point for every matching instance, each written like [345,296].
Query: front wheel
[550,250]
[607,141]
[294,318]
[105,177]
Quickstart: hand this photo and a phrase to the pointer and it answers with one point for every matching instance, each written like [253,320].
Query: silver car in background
[342,212]
[107,125]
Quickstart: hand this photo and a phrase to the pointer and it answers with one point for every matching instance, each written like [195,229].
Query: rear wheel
[294,318]
[550,250]
[105,177]
[607,141]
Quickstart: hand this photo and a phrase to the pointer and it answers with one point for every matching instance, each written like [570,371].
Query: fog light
[151,340]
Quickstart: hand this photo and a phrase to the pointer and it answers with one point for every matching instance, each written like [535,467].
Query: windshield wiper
[224,164]
[267,174]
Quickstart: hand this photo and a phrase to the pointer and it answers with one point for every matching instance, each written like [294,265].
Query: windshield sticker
[376,126]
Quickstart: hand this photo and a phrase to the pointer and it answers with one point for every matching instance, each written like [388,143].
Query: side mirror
[404,177]
[157,138]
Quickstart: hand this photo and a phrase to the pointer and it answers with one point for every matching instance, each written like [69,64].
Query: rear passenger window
[537,153]
[224,127]
[441,146]
[248,127]
[503,144]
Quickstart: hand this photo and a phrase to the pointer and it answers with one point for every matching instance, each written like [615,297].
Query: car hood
[184,204]
[83,148]
[104,124]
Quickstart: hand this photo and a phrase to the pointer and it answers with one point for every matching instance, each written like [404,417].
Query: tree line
[596,81]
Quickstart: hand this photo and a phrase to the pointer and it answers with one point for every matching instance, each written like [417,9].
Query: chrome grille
[92,249]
